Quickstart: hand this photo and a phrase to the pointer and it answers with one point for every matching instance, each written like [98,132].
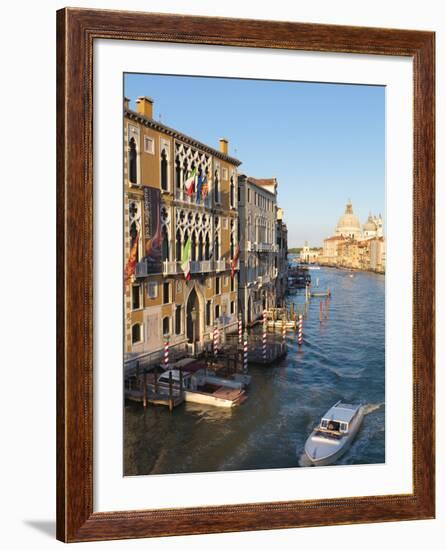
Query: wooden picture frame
[77,29]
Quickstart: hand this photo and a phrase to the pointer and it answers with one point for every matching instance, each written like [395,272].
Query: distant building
[377,254]
[258,246]
[354,247]
[309,255]
[373,227]
[282,258]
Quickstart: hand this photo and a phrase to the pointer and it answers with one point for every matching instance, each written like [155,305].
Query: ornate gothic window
[194,247]
[132,161]
[216,187]
[178,173]
[207,252]
[178,245]
[165,243]
[164,175]
[200,247]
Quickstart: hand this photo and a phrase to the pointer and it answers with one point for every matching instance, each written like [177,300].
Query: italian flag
[190,181]
[185,260]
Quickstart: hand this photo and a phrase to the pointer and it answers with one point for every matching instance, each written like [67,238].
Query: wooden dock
[159,398]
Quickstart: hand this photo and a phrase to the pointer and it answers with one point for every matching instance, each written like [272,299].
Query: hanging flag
[131,262]
[185,260]
[204,187]
[190,181]
[199,186]
[234,261]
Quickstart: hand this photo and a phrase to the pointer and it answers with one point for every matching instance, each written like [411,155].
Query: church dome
[370,225]
[348,223]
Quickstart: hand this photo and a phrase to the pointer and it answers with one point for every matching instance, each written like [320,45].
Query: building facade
[180,236]
[258,246]
[282,258]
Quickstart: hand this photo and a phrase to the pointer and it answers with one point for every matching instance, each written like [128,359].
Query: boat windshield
[331,425]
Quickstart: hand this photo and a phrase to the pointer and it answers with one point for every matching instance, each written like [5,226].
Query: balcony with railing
[174,268]
[265,247]
[182,196]
[201,266]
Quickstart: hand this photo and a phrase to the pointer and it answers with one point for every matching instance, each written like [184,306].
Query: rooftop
[155,125]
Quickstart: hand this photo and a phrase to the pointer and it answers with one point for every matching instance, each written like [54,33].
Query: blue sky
[323,142]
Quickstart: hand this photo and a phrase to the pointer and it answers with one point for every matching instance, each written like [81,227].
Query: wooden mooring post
[170,392]
[144,389]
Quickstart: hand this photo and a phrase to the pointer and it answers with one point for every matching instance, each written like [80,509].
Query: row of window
[137,328]
[260,201]
[152,290]
[181,171]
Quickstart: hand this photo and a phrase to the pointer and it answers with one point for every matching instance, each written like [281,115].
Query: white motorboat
[334,434]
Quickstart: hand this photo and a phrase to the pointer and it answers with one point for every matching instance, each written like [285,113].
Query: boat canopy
[341,412]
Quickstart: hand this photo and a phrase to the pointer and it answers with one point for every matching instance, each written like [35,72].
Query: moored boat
[334,434]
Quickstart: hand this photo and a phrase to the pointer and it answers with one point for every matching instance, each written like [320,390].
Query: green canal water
[341,358]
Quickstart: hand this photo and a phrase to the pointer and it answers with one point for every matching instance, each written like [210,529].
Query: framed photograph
[245,275]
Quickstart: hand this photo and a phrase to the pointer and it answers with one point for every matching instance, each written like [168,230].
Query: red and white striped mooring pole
[299,330]
[264,336]
[245,351]
[215,340]
[240,329]
[166,353]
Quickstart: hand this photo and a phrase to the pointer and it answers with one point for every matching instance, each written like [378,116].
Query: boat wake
[372,407]
[343,373]
[304,461]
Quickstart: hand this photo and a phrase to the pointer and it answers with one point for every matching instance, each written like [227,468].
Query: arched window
[178,173]
[166,326]
[200,247]
[194,247]
[132,161]
[216,187]
[164,182]
[178,246]
[185,170]
[231,192]
[136,334]
[217,249]
[165,243]
[207,254]
[133,234]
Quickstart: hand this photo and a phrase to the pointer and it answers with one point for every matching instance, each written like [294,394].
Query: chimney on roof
[144,106]
[224,146]
[126,103]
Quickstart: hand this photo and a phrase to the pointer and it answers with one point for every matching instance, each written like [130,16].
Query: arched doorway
[193,318]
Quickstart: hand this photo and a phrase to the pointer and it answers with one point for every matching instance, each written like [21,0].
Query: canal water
[341,358]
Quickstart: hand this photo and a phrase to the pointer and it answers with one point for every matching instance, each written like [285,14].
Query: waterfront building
[330,250]
[377,248]
[258,246]
[282,258]
[180,236]
[354,247]
[309,255]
